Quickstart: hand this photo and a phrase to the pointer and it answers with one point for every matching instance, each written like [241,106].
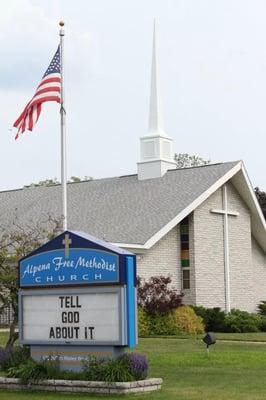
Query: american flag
[48,90]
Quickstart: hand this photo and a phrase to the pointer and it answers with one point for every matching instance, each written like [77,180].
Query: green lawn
[233,370]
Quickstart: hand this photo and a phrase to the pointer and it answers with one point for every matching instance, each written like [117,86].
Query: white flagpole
[63,131]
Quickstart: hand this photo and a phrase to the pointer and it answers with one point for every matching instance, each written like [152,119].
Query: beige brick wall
[259,268]
[247,260]
[162,259]
[209,253]
[240,253]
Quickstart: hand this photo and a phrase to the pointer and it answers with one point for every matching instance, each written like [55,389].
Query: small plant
[144,323]
[262,308]
[13,357]
[138,365]
[128,367]
[117,370]
[156,296]
[29,372]
[5,357]
[94,368]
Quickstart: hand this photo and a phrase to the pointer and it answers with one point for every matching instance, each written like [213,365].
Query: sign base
[71,357]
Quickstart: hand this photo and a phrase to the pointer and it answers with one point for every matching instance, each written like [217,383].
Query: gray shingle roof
[119,210]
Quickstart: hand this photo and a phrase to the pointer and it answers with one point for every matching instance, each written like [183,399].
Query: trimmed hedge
[180,320]
[236,321]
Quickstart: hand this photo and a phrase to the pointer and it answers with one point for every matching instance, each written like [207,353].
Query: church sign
[76,267]
[77,297]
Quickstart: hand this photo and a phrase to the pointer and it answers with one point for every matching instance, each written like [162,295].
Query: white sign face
[64,318]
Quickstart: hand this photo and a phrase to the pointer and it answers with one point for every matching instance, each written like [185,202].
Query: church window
[184,238]
[185,259]
[186,279]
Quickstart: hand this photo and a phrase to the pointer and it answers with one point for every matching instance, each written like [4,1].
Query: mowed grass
[233,370]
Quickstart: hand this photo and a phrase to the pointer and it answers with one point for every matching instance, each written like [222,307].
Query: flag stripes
[49,89]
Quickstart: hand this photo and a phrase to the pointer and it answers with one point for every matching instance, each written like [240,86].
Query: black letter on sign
[51,335]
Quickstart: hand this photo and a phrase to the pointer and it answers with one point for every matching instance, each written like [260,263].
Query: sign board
[80,266]
[82,316]
[77,292]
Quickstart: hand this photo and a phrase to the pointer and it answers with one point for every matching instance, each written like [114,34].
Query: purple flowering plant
[138,365]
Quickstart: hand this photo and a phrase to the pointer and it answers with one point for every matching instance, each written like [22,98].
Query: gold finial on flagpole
[61,23]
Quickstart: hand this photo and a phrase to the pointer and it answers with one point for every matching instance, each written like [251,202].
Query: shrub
[242,321]
[5,356]
[262,325]
[187,321]
[163,324]
[28,372]
[125,368]
[13,357]
[138,365]
[117,370]
[213,318]
[181,320]
[94,368]
[156,297]
[262,308]
[128,367]
[143,323]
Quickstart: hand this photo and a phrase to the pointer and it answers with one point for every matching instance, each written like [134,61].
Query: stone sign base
[51,385]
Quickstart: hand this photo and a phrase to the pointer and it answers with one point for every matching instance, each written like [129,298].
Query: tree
[54,181]
[184,160]
[261,196]
[18,243]
[156,296]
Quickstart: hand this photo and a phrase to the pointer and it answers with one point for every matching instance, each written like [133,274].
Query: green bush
[114,370]
[144,323]
[28,372]
[235,322]
[13,357]
[241,322]
[126,368]
[262,325]
[94,368]
[213,318]
[180,320]
[117,370]
[163,324]
[187,321]
[262,308]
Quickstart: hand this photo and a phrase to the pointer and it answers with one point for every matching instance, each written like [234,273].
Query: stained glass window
[185,257]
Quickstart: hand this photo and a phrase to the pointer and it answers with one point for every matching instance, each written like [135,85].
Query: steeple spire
[155,118]
[156,148]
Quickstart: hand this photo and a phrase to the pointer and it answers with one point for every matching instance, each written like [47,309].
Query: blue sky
[212,57]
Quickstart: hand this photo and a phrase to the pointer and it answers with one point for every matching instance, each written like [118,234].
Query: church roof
[121,210]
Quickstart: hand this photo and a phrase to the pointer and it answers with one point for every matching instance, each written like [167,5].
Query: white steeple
[156,118]
[156,154]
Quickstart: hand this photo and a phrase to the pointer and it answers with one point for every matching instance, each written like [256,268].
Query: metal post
[63,131]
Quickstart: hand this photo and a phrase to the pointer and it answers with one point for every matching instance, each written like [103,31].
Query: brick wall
[162,259]
[259,274]
[209,253]
[247,260]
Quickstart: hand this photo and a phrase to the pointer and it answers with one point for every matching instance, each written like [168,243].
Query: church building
[202,225]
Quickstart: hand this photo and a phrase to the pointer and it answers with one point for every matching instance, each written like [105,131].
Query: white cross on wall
[225,212]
